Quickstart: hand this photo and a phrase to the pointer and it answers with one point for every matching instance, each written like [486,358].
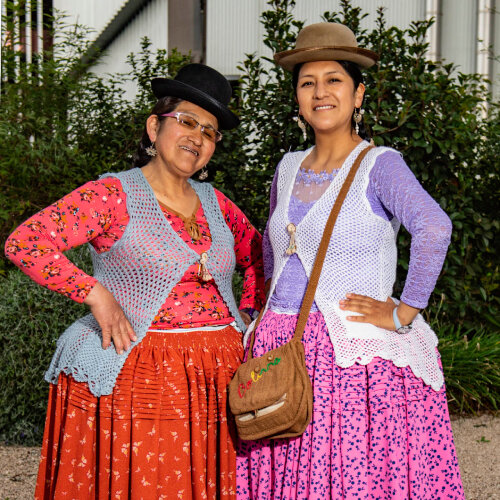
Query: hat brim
[362,57]
[163,87]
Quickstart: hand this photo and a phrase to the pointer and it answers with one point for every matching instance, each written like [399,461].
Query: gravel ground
[477,441]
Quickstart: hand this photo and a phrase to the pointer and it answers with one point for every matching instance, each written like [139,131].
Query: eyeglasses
[192,123]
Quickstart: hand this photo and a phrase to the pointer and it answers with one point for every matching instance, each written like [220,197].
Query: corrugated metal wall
[232,31]
[398,12]
[233,26]
[93,13]
[496,50]
[152,22]
[459,33]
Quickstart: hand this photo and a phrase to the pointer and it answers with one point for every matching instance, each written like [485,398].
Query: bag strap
[320,256]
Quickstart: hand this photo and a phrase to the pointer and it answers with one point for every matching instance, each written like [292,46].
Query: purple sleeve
[400,193]
[267,249]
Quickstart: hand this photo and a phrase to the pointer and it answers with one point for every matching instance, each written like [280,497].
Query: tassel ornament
[292,246]
[203,271]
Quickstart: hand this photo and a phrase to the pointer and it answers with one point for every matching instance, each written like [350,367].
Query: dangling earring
[358,116]
[302,126]
[151,150]
[203,174]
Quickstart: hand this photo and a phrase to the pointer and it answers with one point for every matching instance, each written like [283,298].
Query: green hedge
[32,318]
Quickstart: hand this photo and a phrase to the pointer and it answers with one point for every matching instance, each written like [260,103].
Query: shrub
[62,126]
[32,318]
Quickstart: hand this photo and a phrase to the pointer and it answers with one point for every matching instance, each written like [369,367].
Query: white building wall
[92,13]
[234,28]
[398,12]
[151,21]
[459,33]
[496,51]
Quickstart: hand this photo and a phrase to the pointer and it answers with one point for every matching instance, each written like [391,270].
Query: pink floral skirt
[377,431]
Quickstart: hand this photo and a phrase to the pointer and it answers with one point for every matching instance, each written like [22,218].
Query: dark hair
[352,69]
[163,105]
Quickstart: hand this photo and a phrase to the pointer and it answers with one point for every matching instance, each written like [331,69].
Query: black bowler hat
[203,86]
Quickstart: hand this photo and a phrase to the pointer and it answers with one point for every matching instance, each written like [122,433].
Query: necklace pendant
[292,246]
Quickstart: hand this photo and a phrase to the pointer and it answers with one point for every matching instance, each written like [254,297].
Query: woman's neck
[171,190]
[330,151]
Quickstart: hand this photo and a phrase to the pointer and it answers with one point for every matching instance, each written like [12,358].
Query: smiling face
[326,96]
[183,151]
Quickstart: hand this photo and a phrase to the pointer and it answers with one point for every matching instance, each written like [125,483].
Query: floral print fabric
[164,433]
[96,213]
[377,432]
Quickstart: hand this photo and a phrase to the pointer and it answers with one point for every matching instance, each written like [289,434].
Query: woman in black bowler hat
[137,403]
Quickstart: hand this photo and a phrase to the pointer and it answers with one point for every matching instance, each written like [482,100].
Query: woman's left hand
[373,311]
[245,317]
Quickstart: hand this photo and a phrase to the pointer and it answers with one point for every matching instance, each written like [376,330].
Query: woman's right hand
[111,318]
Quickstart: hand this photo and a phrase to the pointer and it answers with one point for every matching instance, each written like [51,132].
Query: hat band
[355,50]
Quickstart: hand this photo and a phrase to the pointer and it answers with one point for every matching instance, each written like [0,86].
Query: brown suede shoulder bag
[271,396]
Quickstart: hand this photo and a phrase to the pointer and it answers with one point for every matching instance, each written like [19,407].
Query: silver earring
[203,174]
[302,126]
[358,116]
[151,150]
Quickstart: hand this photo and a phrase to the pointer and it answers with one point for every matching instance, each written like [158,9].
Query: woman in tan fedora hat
[380,426]
[138,394]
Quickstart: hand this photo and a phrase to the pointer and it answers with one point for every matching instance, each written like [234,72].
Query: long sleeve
[400,193]
[267,249]
[95,212]
[248,250]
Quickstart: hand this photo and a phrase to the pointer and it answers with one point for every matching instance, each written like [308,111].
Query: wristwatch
[399,327]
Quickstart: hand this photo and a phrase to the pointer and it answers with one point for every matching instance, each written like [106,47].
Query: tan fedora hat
[325,42]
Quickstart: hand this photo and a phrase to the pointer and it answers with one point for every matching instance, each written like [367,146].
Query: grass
[471,364]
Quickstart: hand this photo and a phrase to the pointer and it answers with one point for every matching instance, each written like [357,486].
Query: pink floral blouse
[96,212]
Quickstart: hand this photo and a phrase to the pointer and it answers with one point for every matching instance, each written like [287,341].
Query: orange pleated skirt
[164,432]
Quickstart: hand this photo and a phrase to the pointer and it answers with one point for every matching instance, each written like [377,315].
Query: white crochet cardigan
[361,258]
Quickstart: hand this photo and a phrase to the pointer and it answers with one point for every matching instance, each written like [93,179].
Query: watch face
[404,329]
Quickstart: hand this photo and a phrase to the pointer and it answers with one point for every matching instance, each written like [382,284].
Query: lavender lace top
[393,191]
